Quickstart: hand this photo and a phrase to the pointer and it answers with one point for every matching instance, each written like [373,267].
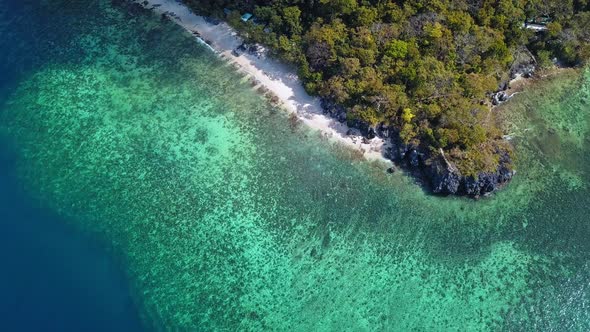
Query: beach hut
[537,23]
[541,20]
[246,17]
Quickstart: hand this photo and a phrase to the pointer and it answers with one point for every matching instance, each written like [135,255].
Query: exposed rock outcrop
[443,177]
[439,175]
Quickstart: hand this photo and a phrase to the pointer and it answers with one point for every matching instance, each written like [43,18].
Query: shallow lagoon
[228,217]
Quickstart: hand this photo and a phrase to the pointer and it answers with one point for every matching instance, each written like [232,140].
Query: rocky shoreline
[434,171]
[431,168]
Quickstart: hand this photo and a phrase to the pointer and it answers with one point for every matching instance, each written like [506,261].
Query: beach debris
[239,50]
[256,50]
[212,20]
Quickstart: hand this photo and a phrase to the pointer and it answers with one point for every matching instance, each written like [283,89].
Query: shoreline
[279,82]
[276,77]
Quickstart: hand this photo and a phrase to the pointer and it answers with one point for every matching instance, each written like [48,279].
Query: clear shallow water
[227,217]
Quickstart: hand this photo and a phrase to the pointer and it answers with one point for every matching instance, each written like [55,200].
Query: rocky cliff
[438,174]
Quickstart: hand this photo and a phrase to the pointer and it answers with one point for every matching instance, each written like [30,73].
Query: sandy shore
[275,76]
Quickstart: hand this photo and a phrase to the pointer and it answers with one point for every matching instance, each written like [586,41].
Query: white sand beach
[278,78]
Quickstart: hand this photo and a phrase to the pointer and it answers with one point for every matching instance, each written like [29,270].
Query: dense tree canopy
[426,68]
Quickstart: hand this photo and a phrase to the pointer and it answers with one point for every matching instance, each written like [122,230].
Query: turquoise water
[228,217]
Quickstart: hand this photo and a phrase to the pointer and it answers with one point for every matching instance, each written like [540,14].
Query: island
[424,75]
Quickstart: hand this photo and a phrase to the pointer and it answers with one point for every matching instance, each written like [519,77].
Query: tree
[397,49]
[292,17]
[423,67]
[338,7]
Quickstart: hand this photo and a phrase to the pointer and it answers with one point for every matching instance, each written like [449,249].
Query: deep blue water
[53,277]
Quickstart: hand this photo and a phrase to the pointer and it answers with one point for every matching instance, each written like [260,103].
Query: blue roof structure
[246,17]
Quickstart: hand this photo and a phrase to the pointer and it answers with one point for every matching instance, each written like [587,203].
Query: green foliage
[424,67]
[340,6]
[408,133]
[554,29]
[366,114]
[447,137]
[544,59]
[477,85]
[397,49]
[433,30]
[365,16]
[292,17]
[407,115]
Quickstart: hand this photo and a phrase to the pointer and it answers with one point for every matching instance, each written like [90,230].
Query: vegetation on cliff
[425,69]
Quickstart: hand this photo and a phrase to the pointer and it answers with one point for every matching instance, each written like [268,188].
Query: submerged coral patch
[229,218]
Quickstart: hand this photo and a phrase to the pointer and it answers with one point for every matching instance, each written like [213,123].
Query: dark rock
[484,183]
[333,110]
[212,20]
[446,179]
[389,154]
[503,86]
[443,179]
[398,150]
[526,70]
[487,182]
[500,97]
[256,50]
[383,131]
[504,174]
[523,64]
[442,175]
[363,127]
